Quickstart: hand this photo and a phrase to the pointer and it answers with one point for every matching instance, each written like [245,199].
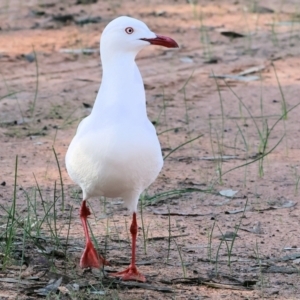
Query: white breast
[114,160]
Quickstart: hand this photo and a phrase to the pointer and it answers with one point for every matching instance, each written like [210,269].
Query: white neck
[121,93]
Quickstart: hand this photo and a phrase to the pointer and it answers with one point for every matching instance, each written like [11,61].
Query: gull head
[128,35]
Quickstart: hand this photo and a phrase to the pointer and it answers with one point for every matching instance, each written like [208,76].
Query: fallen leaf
[63,290]
[51,287]
[87,20]
[98,292]
[283,270]
[232,34]
[230,212]
[296,261]
[86,1]
[224,157]
[290,257]
[79,51]
[261,10]
[224,286]
[53,252]
[14,280]
[228,236]
[236,77]
[252,70]
[228,193]
[287,204]
[186,59]
[291,248]
[191,247]
[176,213]
[63,18]
[256,229]
[156,238]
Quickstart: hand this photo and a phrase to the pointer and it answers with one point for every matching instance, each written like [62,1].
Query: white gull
[116,152]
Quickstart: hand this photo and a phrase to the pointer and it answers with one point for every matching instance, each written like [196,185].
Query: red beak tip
[162,41]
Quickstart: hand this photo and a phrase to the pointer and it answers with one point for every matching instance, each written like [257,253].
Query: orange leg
[132,273]
[90,257]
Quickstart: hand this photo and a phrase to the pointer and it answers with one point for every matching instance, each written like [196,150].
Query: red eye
[129,30]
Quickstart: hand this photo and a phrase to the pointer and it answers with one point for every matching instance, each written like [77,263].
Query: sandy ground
[47,87]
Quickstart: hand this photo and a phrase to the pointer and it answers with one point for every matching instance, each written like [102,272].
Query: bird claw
[131,273]
[91,259]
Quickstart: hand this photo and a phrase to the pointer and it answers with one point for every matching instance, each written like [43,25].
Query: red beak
[162,41]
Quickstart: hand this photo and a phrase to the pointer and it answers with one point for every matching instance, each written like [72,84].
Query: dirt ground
[50,72]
